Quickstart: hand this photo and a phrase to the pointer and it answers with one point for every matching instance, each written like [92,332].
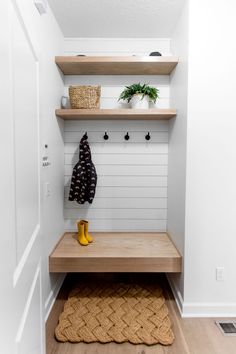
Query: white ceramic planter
[138,102]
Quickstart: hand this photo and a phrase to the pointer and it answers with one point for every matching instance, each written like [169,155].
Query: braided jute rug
[115,313]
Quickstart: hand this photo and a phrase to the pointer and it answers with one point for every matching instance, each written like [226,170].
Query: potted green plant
[139,95]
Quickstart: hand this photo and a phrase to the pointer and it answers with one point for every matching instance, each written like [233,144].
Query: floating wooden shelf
[132,65]
[134,114]
[116,252]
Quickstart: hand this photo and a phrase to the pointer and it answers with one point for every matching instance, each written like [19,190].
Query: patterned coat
[84,176]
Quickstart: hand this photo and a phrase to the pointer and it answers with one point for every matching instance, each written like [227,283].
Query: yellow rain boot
[81,235]
[88,237]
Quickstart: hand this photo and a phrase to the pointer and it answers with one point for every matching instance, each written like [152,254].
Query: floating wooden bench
[116,252]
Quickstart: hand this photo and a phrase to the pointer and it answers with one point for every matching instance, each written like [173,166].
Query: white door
[21,325]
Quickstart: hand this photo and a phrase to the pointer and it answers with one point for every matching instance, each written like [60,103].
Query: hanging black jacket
[84,176]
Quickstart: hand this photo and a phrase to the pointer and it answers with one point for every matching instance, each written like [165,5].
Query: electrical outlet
[220,273]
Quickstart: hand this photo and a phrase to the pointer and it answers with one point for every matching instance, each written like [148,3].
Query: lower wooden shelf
[116,252]
[112,114]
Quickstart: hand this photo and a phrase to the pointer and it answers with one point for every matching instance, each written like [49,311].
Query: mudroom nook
[119,251]
[118,177]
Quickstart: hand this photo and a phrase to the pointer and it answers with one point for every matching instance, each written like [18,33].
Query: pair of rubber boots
[83,236]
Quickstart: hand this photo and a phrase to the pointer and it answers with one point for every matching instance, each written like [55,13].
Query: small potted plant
[139,95]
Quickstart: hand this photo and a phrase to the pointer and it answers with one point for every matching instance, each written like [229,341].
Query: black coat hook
[148,136]
[126,136]
[105,136]
[86,135]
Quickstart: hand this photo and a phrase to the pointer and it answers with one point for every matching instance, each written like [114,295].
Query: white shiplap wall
[131,192]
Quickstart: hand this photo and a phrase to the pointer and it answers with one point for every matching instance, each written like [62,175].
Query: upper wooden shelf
[126,114]
[132,65]
[116,252]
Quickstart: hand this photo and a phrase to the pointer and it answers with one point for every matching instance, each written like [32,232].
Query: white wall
[132,176]
[116,46]
[201,218]
[211,155]
[177,145]
[32,89]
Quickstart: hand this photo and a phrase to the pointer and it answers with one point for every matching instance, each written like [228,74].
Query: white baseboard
[53,295]
[201,309]
[177,295]
[195,309]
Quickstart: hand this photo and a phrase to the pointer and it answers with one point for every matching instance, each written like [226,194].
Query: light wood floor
[192,335]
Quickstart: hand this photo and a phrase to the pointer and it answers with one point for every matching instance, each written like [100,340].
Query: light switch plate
[47,189]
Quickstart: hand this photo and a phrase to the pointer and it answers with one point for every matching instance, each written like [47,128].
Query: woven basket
[85,96]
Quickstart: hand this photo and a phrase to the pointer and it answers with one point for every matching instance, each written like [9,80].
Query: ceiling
[116,18]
